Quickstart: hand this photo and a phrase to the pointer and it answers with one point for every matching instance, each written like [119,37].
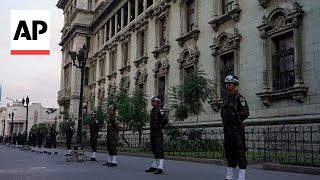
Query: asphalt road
[26,165]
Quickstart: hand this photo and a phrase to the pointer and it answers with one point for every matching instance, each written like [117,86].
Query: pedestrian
[233,112]
[158,120]
[52,139]
[112,136]
[69,135]
[94,133]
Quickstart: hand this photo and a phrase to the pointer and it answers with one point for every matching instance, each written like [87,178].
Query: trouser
[112,145]
[157,145]
[68,141]
[40,142]
[93,143]
[235,151]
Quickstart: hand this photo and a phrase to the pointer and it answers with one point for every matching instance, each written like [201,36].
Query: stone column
[196,26]
[144,5]
[136,8]
[297,57]
[110,28]
[122,17]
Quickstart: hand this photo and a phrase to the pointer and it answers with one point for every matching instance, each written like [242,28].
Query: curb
[291,168]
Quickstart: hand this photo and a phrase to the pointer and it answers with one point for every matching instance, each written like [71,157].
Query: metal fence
[298,145]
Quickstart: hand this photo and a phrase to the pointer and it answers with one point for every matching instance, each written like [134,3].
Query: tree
[124,109]
[101,116]
[139,115]
[193,93]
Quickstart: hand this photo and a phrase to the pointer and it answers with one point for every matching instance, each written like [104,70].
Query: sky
[35,76]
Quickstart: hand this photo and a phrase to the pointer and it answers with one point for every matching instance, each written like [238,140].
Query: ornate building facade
[272,46]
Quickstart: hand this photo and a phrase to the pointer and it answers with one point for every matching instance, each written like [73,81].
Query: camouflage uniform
[234,110]
[94,130]
[157,121]
[112,135]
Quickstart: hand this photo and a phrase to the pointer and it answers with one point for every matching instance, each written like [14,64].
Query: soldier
[112,136]
[40,137]
[233,112]
[69,135]
[157,121]
[52,139]
[94,130]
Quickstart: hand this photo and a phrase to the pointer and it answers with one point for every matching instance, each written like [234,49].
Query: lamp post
[4,127]
[81,58]
[11,116]
[27,106]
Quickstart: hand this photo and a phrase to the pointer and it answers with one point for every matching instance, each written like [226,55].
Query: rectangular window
[102,68]
[190,20]
[149,3]
[125,15]
[227,6]
[112,62]
[86,76]
[162,30]
[141,43]
[107,31]
[140,7]
[98,40]
[113,25]
[119,21]
[125,54]
[161,89]
[283,71]
[226,69]
[133,10]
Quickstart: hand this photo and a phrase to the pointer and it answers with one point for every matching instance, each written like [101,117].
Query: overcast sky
[36,76]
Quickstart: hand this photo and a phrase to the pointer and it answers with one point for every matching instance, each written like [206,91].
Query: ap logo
[30,32]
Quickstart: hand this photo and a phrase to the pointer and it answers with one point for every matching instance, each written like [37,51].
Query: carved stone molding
[280,19]
[188,57]
[297,93]
[124,82]
[194,34]
[112,87]
[125,36]
[165,48]
[162,8]
[233,14]
[101,92]
[264,3]
[141,24]
[101,81]
[112,75]
[125,68]
[143,59]
[161,68]
[141,76]
[225,42]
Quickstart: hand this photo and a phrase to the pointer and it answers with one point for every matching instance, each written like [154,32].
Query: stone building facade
[273,46]
[36,114]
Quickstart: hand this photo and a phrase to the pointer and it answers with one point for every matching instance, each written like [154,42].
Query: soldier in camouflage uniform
[157,121]
[112,136]
[233,112]
[94,130]
[69,135]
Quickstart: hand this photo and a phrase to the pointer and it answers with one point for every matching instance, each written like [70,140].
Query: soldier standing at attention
[53,139]
[233,112]
[69,135]
[112,136]
[94,130]
[40,137]
[157,121]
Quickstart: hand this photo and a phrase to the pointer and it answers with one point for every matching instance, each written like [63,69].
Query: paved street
[26,165]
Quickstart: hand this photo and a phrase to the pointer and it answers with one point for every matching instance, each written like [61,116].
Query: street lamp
[11,116]
[81,58]
[27,106]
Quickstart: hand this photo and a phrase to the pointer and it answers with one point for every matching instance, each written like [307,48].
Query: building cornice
[105,11]
[76,28]
[62,4]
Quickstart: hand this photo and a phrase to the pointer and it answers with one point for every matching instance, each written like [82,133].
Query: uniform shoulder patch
[242,100]
[161,111]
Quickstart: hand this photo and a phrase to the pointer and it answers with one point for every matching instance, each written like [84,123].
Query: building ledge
[165,48]
[143,59]
[192,34]
[233,14]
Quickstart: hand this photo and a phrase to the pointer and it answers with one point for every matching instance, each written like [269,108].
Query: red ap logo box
[30,32]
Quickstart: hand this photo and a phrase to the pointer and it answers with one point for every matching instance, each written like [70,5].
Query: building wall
[20,113]
[250,53]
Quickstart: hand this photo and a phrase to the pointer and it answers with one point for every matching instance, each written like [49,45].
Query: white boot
[154,163]
[160,164]
[93,155]
[230,173]
[242,174]
[114,159]
[109,159]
